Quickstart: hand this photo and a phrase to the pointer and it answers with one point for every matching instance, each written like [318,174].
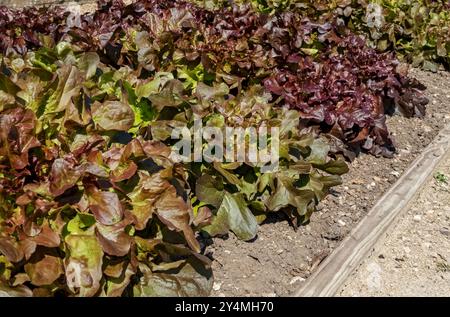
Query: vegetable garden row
[92,202]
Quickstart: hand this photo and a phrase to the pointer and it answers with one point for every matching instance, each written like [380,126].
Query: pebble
[445,232]
[217,286]
[280,251]
[407,250]
[227,251]
[417,218]
[296,279]
[341,223]
[395,173]
[427,129]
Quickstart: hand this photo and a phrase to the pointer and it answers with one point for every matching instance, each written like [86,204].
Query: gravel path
[414,258]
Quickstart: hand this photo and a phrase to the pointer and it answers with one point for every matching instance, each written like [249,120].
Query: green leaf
[113,116]
[192,279]
[153,86]
[209,190]
[83,264]
[310,51]
[88,62]
[8,86]
[144,112]
[68,85]
[234,215]
[230,177]
[286,194]
[319,152]
[338,167]
[80,223]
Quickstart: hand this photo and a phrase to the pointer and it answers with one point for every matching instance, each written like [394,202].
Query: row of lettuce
[418,30]
[91,201]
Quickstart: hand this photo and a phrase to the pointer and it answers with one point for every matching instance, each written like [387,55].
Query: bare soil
[414,257]
[280,258]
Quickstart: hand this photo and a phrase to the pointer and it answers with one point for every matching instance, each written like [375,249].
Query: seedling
[441,178]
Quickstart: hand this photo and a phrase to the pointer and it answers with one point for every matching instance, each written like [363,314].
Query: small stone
[445,232]
[227,251]
[377,179]
[341,223]
[346,188]
[427,129]
[417,218]
[217,286]
[280,251]
[357,181]
[407,250]
[395,173]
[296,279]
